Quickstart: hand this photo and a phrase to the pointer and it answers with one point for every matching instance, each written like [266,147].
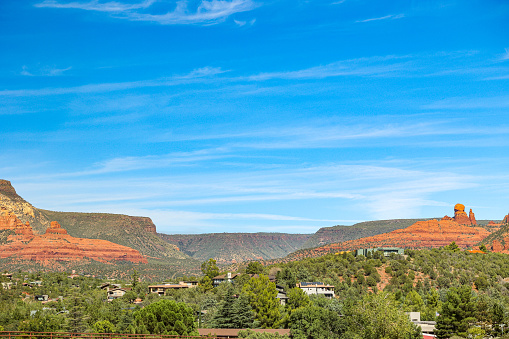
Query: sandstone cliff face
[422,234]
[12,202]
[461,217]
[57,245]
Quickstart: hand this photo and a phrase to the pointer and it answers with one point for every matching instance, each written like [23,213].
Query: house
[281,295]
[387,251]
[317,288]
[107,286]
[43,297]
[161,289]
[427,327]
[7,285]
[116,293]
[217,280]
[229,277]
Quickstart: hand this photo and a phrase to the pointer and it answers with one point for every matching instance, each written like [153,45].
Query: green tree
[165,317]
[250,334]
[315,322]
[209,268]
[457,313]
[243,315]
[453,247]
[254,267]
[206,284]
[224,316]
[377,316]
[262,294]
[297,298]
[104,326]
[135,279]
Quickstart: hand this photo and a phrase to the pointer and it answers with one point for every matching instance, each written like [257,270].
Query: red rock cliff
[56,244]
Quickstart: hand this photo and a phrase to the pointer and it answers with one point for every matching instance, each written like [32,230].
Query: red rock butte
[422,234]
[57,245]
[461,217]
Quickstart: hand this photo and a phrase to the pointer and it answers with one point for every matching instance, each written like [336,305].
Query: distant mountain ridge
[236,247]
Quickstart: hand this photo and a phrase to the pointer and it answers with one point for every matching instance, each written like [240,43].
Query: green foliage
[378,316]
[104,326]
[457,313]
[165,317]
[250,334]
[226,312]
[453,247]
[297,298]
[261,294]
[315,322]
[209,268]
[254,267]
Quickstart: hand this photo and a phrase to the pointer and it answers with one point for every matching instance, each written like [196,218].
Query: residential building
[317,288]
[116,293]
[387,251]
[161,289]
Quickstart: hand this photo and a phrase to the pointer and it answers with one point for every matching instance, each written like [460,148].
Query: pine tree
[225,314]
[243,315]
[262,298]
[457,313]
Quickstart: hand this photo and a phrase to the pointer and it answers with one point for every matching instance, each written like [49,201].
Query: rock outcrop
[422,234]
[12,202]
[57,245]
[461,217]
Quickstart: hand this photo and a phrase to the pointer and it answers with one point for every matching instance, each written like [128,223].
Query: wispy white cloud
[43,71]
[244,23]
[505,56]
[207,12]
[390,65]
[95,5]
[461,103]
[195,75]
[387,17]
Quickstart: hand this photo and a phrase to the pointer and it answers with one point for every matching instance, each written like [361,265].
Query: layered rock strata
[57,245]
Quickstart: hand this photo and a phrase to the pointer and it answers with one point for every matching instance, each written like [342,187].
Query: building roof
[313,284]
[169,286]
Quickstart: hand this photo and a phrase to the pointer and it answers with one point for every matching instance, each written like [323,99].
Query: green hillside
[335,234]
[236,247]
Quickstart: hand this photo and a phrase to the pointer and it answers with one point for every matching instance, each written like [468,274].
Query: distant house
[116,293]
[387,251]
[427,327]
[161,289]
[317,288]
[229,277]
[108,286]
[41,297]
[281,295]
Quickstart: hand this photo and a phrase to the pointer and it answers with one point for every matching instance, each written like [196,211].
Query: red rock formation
[506,219]
[57,245]
[447,218]
[423,234]
[460,216]
[471,216]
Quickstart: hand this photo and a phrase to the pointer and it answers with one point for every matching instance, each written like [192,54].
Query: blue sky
[250,116]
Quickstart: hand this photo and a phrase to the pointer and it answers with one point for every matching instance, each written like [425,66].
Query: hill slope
[138,233]
[329,235]
[236,247]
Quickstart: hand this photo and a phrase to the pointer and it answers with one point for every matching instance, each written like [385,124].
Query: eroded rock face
[57,245]
[461,217]
[506,219]
[424,234]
